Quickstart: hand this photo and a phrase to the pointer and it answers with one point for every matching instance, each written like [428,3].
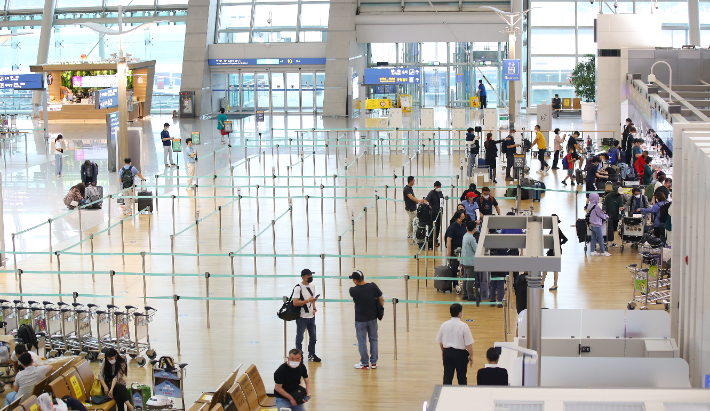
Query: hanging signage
[511,70]
[389,75]
[266,62]
[106,98]
[195,135]
[390,89]
[21,82]
[260,116]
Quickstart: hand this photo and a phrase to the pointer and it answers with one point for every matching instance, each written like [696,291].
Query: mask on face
[294,364]
[638,196]
[112,362]
[438,190]
[309,280]
[485,196]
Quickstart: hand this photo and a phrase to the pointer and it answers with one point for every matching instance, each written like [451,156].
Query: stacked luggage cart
[77,329]
[652,284]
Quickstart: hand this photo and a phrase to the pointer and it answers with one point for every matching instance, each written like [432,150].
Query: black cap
[306,271]
[357,275]
[629,120]
[166,125]
[437,183]
[472,186]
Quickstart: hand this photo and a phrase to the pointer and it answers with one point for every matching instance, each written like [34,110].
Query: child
[570,158]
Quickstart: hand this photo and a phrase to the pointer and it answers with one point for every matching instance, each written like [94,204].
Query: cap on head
[471,194]
[166,125]
[306,272]
[357,275]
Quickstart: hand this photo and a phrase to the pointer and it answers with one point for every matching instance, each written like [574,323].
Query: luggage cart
[69,334]
[82,331]
[588,237]
[39,324]
[54,337]
[141,341]
[104,337]
[167,384]
[91,346]
[652,283]
[632,229]
[9,317]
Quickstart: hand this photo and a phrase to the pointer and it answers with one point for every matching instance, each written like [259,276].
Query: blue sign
[138,399]
[459,78]
[22,82]
[707,380]
[113,125]
[106,98]
[266,62]
[511,70]
[168,389]
[260,116]
[388,75]
[390,89]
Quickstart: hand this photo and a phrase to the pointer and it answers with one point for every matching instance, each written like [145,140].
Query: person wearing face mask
[454,237]
[113,372]
[632,142]
[486,203]
[307,298]
[434,200]
[660,200]
[626,140]
[613,205]
[558,147]
[288,392]
[636,202]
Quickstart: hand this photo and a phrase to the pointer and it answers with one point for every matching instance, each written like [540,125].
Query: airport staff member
[456,344]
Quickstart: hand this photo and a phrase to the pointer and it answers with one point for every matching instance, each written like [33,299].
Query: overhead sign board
[106,98]
[511,70]
[389,75]
[266,62]
[22,82]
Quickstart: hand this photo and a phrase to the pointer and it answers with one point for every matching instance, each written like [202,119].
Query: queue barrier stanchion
[14,255]
[231,261]
[285,337]
[111,275]
[308,225]
[81,231]
[18,273]
[273,238]
[172,255]
[177,321]
[145,287]
[340,260]
[59,273]
[257,202]
[91,240]
[197,240]
[290,212]
[406,297]
[50,237]
[394,315]
[254,243]
[322,269]
[364,210]
[416,258]
[207,297]
[353,235]
[156,192]
[123,246]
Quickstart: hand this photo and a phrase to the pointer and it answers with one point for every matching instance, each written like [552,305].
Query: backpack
[166,363]
[648,192]
[423,213]
[589,213]
[127,177]
[504,146]
[565,162]
[27,334]
[663,212]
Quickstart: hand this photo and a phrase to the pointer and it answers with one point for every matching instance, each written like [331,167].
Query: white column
[518,8]
[199,34]
[340,47]
[694,22]
[43,49]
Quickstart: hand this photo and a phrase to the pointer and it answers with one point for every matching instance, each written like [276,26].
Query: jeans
[541,157]
[455,360]
[190,172]
[128,202]
[58,164]
[497,286]
[167,155]
[10,397]
[363,330]
[471,164]
[411,229]
[301,325]
[483,101]
[557,156]
[509,160]
[469,285]
[597,238]
[282,403]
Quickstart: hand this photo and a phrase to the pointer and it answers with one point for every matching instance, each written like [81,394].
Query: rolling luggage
[94,193]
[145,202]
[579,176]
[510,192]
[581,226]
[537,194]
[443,285]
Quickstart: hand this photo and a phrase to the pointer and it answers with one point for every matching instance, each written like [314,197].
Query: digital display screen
[392,76]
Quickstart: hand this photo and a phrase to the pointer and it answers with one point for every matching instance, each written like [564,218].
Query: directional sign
[389,75]
[261,62]
[511,70]
[106,98]
[21,82]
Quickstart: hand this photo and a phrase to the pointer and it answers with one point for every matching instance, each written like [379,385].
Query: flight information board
[22,82]
[266,62]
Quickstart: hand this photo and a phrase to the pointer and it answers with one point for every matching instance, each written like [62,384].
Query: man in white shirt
[306,298]
[25,380]
[456,344]
[19,350]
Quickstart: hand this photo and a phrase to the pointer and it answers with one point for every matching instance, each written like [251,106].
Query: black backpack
[27,334]
[126,177]
[166,363]
[663,212]
[423,213]
[589,213]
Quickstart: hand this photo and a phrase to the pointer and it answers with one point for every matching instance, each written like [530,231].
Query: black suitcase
[145,202]
[537,194]
[443,285]
[581,226]
[579,176]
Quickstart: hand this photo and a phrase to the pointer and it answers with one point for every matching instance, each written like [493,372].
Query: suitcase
[145,202]
[510,192]
[579,176]
[581,226]
[481,162]
[94,193]
[537,194]
[444,285]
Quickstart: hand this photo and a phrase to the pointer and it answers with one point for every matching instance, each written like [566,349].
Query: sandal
[553,288]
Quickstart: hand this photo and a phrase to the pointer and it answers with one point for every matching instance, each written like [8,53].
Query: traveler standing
[481,93]
[614,154]
[288,392]
[509,145]
[307,299]
[558,147]
[593,172]
[472,142]
[434,200]
[627,141]
[221,118]
[613,204]
[191,161]
[636,202]
[658,230]
[573,143]
[366,297]
[456,344]
[551,253]
[468,253]
[58,152]
[89,173]
[454,238]
[596,220]
[410,206]
[167,146]
[126,180]
[492,155]
[470,205]
[542,148]
[486,203]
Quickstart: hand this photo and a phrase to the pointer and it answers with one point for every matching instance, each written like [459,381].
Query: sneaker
[564,184]
[614,245]
[361,366]
[547,168]
[540,171]
[594,254]
[373,366]
[313,358]
[409,237]
[606,254]
[573,184]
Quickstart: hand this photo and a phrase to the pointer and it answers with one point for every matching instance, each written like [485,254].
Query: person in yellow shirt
[542,147]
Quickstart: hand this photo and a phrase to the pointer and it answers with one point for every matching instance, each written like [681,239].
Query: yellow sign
[76,386]
[376,122]
[475,102]
[34,407]
[377,103]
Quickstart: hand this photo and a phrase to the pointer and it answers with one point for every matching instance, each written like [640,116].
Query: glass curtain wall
[562,32]
[269,21]
[450,71]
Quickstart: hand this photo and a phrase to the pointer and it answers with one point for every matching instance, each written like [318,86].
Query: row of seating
[246,393]
[74,378]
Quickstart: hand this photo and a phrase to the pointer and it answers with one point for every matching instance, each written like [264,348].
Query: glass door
[293,92]
[248,90]
[233,92]
[277,91]
[307,92]
[434,86]
[320,90]
[262,81]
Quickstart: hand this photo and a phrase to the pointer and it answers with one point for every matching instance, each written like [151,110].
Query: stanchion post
[321,204]
[340,260]
[197,239]
[207,297]
[50,237]
[123,246]
[18,274]
[172,255]
[257,202]
[352,228]
[59,274]
[150,236]
[285,337]
[290,212]
[254,242]
[394,315]
[219,209]
[81,231]
[173,197]
[406,297]
[334,177]
[426,259]
[177,322]
[364,210]
[156,192]
[14,256]
[93,277]
[111,275]
[322,270]
[308,224]
[377,216]
[386,204]
[416,258]
[231,261]
[273,238]
[145,287]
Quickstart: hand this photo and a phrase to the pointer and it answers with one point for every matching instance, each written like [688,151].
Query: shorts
[570,172]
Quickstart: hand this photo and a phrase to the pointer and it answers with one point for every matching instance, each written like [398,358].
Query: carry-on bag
[444,285]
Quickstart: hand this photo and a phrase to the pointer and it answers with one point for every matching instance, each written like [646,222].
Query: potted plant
[583,79]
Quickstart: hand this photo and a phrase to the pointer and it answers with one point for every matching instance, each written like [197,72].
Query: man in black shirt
[509,153]
[486,203]
[288,392]
[454,238]
[491,374]
[366,297]
[434,200]
[410,206]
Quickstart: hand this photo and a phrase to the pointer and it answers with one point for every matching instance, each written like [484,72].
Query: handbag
[96,389]
[99,399]
[288,311]
[299,395]
[224,133]
[379,308]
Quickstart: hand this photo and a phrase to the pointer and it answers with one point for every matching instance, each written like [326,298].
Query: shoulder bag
[288,311]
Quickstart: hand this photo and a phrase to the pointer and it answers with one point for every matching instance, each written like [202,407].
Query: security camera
[268,21]
[591,1]
[616,4]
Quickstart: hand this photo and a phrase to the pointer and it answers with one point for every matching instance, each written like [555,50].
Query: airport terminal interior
[273,136]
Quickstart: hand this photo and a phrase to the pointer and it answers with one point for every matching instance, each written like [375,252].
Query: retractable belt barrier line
[103,231]
[203,218]
[251,239]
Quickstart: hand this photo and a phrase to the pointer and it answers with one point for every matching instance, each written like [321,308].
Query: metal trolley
[632,230]
[140,342]
[652,283]
[167,384]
